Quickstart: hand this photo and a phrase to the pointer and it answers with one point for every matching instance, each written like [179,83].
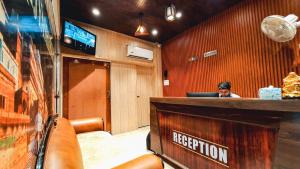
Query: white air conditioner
[140,53]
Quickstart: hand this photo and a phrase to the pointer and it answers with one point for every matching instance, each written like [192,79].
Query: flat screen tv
[78,38]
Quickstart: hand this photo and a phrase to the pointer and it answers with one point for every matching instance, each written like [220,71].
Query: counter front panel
[204,137]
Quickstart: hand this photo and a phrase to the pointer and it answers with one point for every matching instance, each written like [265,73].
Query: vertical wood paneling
[145,90]
[123,98]
[245,57]
[131,88]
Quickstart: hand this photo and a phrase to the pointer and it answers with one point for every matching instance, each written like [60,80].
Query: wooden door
[87,91]
[145,90]
[123,98]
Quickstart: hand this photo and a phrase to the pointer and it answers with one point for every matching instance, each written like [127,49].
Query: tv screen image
[79,38]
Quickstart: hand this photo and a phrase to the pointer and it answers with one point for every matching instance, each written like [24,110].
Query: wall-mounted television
[78,38]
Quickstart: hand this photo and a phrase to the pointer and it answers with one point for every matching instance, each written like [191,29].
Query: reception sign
[196,142]
[204,148]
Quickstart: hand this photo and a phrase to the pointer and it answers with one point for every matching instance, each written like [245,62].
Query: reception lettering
[212,151]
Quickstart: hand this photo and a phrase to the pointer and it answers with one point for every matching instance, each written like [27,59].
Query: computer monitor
[202,94]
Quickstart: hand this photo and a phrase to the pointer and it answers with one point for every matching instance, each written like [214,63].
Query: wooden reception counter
[213,133]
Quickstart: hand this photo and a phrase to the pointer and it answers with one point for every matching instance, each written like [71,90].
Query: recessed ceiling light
[96,11]
[178,15]
[154,32]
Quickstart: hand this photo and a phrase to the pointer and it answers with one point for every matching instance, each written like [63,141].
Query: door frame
[65,85]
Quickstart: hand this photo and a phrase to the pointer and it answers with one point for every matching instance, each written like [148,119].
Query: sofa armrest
[87,125]
[63,151]
[148,161]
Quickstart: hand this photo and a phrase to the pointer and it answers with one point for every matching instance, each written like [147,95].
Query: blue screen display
[79,34]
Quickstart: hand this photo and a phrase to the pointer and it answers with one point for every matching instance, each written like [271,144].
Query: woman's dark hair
[224,85]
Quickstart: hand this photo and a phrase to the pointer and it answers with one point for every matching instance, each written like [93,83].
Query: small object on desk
[270,93]
[291,86]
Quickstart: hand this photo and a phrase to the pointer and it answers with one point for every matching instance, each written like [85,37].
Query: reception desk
[213,133]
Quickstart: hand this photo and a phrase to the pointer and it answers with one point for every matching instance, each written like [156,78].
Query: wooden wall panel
[111,47]
[157,73]
[131,89]
[123,98]
[245,57]
[145,90]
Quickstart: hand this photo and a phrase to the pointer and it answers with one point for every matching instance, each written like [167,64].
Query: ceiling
[122,15]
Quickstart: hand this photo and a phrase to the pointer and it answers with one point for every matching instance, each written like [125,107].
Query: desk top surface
[288,105]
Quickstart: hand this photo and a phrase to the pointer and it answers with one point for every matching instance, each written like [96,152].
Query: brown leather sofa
[63,151]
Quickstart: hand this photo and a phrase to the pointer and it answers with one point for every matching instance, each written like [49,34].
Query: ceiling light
[141,3]
[141,30]
[67,40]
[170,13]
[96,11]
[76,61]
[178,15]
[154,32]
[170,18]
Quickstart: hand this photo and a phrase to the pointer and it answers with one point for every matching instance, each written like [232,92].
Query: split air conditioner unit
[140,53]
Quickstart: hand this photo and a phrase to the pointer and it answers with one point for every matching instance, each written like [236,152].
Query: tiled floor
[102,150]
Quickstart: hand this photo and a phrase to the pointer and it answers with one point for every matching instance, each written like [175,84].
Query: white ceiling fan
[279,28]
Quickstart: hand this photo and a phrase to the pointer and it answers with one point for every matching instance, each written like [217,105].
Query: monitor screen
[79,38]
[202,94]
